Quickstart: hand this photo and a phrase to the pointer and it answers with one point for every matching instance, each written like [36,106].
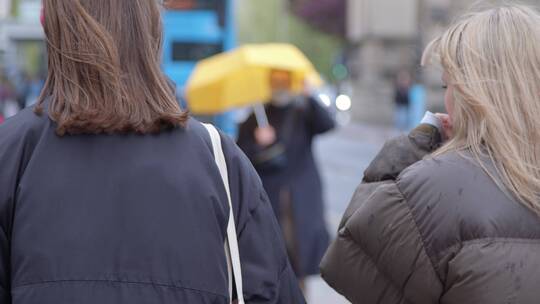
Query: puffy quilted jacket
[441,231]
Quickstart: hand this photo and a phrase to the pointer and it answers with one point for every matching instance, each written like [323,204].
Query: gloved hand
[403,151]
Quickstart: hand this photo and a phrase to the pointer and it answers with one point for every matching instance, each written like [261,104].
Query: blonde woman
[462,225]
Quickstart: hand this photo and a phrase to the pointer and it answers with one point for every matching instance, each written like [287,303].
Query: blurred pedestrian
[23,89]
[282,154]
[461,226]
[402,89]
[8,98]
[29,89]
[109,193]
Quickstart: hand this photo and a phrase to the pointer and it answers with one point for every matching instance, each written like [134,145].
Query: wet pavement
[342,156]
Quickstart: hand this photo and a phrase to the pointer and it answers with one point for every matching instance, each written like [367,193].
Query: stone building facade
[387,36]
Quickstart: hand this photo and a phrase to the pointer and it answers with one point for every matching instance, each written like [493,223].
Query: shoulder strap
[231,244]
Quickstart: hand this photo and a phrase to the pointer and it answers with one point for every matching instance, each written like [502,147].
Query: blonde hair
[492,59]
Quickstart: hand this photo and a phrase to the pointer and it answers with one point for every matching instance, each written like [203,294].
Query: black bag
[271,158]
[274,157]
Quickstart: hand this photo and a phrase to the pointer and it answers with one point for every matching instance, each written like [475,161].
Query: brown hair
[104,71]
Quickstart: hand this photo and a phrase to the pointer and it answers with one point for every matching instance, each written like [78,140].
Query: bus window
[187,51]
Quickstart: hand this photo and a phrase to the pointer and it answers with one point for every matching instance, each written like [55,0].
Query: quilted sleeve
[379,255]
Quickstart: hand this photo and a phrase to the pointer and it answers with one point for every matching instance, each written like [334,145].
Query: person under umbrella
[281,151]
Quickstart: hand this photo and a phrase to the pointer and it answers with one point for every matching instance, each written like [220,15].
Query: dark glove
[401,152]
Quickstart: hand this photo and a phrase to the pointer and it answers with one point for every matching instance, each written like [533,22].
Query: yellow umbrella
[242,77]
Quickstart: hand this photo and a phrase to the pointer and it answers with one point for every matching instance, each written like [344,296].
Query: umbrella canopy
[242,77]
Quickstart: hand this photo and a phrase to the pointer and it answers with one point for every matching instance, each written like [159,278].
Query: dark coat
[300,176]
[114,219]
[441,232]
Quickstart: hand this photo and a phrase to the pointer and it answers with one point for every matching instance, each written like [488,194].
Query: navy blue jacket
[115,219]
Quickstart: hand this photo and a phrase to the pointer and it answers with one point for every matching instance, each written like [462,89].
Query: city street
[112,192]
[342,157]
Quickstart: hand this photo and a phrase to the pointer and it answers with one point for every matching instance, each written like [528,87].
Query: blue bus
[194,30]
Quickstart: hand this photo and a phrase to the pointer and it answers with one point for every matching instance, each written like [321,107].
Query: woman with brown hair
[109,193]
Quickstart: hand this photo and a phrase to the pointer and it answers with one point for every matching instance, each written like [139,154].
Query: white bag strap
[231,244]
